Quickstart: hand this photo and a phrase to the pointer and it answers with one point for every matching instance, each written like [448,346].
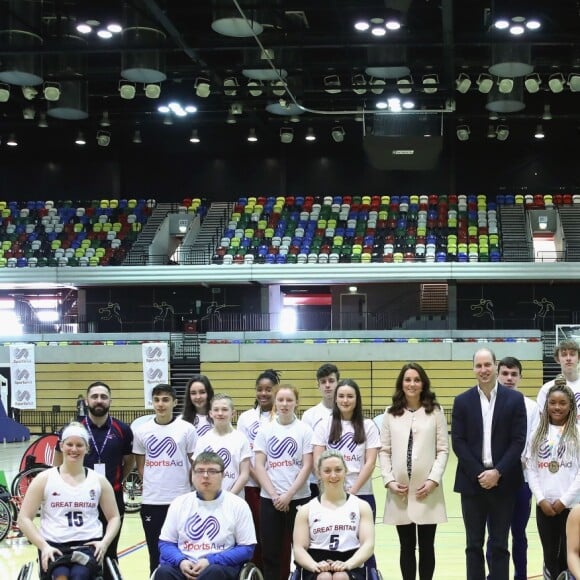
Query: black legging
[408,535]
[552,532]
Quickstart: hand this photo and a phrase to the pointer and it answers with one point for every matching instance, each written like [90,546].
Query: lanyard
[97,450]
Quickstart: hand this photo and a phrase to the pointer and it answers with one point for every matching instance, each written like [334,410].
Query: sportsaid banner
[22,376]
[155,368]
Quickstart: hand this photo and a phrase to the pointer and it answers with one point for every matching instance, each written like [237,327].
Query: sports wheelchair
[249,571]
[28,570]
[371,574]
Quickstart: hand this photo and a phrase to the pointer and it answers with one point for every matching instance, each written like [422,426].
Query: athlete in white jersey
[70,496]
[248,423]
[163,449]
[283,463]
[566,354]
[198,396]
[207,533]
[333,533]
[327,377]
[228,443]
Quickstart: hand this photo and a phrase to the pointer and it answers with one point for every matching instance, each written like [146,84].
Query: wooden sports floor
[450,541]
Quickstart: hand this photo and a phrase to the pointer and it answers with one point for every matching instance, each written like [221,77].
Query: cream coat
[430,453]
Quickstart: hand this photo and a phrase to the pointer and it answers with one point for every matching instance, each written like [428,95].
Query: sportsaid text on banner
[155,368]
[22,376]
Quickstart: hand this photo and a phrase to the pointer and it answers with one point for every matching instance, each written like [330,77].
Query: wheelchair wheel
[132,492]
[250,572]
[5,519]
[22,480]
[26,571]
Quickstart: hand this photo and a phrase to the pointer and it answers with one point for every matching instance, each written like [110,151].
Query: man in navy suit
[488,434]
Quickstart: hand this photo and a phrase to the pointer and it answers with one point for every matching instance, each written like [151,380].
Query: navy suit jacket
[508,438]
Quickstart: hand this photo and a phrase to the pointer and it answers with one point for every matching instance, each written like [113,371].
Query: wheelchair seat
[27,572]
[249,571]
[371,574]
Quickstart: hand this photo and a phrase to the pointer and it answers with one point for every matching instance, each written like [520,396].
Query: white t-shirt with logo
[284,447]
[353,453]
[563,483]
[313,417]
[232,447]
[248,423]
[200,527]
[166,449]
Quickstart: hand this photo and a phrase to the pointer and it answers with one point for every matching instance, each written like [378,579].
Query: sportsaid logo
[21,354]
[545,450]
[253,430]
[154,374]
[197,528]
[277,447]
[203,429]
[156,448]
[22,375]
[153,352]
[22,396]
[346,441]
[223,453]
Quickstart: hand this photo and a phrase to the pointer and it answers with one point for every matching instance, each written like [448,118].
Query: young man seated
[209,533]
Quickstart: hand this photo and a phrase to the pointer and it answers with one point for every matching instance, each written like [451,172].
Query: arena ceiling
[307,65]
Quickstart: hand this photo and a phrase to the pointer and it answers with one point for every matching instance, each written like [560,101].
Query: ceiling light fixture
[29,93]
[42,122]
[127,90]
[463,83]
[231,87]
[11,141]
[153,90]
[80,140]
[103,138]
[361,25]
[505,86]
[167,119]
[105,121]
[4,92]
[533,82]
[231,119]
[484,83]
[430,83]
[114,28]
[28,113]
[252,137]
[202,87]
[310,136]
[539,133]
[278,88]
[255,88]
[491,132]
[338,133]
[392,25]
[51,91]
[194,137]
[84,28]
[286,135]
[547,115]
[463,132]
[556,82]
[377,86]
[405,85]
[137,137]
[359,84]
[502,132]
[104,34]
[574,82]
[332,84]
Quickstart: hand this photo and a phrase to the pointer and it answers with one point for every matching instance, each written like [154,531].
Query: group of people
[277,487]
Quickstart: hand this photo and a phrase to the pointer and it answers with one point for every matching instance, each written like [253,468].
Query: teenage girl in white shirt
[198,395]
[553,468]
[283,451]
